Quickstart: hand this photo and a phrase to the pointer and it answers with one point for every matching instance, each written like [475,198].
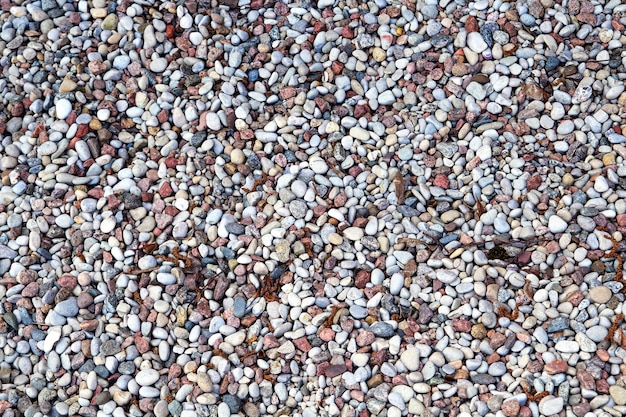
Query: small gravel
[310,208]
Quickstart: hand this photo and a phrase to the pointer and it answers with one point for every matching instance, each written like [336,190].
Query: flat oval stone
[147,377]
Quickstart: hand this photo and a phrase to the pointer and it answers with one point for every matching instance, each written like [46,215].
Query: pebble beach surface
[312,208]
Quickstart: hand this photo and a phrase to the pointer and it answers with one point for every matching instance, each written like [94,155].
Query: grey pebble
[558,324]
[358,312]
[239,306]
[110,347]
[382,329]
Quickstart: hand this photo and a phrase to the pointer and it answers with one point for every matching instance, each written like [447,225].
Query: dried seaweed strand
[503,312]
[619,273]
[398,183]
[614,326]
[534,397]
[268,289]
[258,182]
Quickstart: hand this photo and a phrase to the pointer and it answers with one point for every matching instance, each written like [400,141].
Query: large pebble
[147,377]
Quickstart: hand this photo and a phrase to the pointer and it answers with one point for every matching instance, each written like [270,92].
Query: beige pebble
[600,294]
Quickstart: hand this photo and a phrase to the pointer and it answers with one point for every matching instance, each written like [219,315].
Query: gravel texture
[312,208]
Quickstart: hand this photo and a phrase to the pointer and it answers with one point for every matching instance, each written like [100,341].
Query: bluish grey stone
[233,402]
[527,19]
[239,306]
[175,408]
[382,329]
[7,253]
[558,324]
[358,312]
[235,228]
[55,319]
[215,324]
[483,379]
[126,368]
[67,308]
[429,11]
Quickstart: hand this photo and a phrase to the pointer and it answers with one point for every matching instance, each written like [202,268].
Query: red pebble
[166,190]
[557,366]
[441,181]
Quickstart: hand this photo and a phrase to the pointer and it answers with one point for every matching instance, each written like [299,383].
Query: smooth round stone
[597,333]
[121,62]
[396,284]
[567,346]
[67,308]
[108,225]
[103,114]
[318,165]
[497,369]
[158,65]
[358,312]
[237,157]
[446,276]
[565,127]
[147,377]
[149,392]
[501,225]
[476,42]
[452,354]
[166,278]
[63,108]
[353,233]
[360,359]
[428,371]
[161,306]
[410,358]
[377,277]
[386,98]
[551,405]
[618,394]
[64,221]
[557,224]
[600,294]
[147,262]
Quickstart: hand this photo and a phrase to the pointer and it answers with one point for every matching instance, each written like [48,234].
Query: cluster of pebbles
[312,208]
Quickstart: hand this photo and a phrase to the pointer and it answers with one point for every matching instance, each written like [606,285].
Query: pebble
[551,405]
[600,294]
[63,108]
[147,377]
[618,394]
[158,65]
[557,224]
[410,358]
[67,308]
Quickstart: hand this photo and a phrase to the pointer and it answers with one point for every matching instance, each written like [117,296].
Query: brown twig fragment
[329,321]
[176,256]
[503,312]
[619,273]
[258,182]
[614,326]
[398,183]
[536,397]
[268,288]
